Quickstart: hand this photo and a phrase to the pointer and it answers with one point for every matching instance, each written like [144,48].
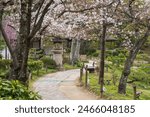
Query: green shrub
[78,63]
[91,51]
[116,52]
[142,57]
[35,65]
[4,64]
[117,56]
[145,68]
[14,90]
[48,62]
[1,56]
[116,60]
[36,53]
[139,75]
[96,54]
[69,67]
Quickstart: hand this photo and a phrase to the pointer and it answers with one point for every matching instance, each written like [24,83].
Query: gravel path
[61,86]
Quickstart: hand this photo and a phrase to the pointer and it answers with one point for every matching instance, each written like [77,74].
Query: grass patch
[111,90]
[69,67]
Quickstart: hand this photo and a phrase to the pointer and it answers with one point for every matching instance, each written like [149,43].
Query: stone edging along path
[61,86]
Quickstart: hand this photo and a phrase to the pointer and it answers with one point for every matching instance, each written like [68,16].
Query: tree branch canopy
[40,21]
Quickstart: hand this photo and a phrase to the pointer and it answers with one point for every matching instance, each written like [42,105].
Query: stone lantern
[57,52]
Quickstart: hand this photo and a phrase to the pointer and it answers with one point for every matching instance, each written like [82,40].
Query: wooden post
[102,57]
[86,76]
[134,92]
[93,64]
[81,74]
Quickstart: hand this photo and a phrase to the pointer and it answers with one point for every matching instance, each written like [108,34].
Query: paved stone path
[61,86]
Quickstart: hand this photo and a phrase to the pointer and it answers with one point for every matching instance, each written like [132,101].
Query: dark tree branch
[40,21]
[130,7]
[30,2]
[9,2]
[40,4]
[41,32]
[43,29]
[36,6]
[86,9]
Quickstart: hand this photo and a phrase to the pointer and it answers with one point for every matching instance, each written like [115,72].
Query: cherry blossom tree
[136,23]
[28,17]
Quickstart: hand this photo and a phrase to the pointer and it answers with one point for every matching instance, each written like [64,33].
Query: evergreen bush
[35,65]
[48,62]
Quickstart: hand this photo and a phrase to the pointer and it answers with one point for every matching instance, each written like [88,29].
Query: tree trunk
[22,47]
[72,51]
[75,51]
[20,72]
[125,74]
[129,62]
[102,59]
[26,35]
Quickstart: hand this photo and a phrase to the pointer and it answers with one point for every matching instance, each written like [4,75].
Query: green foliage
[36,53]
[4,64]
[68,66]
[91,51]
[2,43]
[89,47]
[35,65]
[1,56]
[4,67]
[111,90]
[145,68]
[96,54]
[14,90]
[78,63]
[117,56]
[48,62]
[116,60]
[147,44]
[142,57]
[116,52]
[139,75]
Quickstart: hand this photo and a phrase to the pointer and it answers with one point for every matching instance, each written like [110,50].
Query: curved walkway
[61,86]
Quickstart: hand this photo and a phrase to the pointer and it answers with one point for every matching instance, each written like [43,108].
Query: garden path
[62,86]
